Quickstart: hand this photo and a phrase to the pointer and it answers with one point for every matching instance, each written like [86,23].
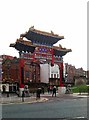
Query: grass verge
[80,89]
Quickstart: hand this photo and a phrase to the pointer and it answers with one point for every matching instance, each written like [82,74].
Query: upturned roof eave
[41,36]
[43,33]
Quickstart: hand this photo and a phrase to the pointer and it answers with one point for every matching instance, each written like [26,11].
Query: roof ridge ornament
[31,28]
[52,32]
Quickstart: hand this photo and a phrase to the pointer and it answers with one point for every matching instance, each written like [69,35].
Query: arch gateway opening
[40,61]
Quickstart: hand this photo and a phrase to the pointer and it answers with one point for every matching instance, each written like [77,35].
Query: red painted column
[21,72]
[33,58]
[52,63]
[61,74]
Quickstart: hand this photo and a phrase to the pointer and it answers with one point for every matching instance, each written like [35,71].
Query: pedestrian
[4,88]
[17,92]
[23,95]
[54,91]
[38,92]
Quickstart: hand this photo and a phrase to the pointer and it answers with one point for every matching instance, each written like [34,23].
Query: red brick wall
[11,71]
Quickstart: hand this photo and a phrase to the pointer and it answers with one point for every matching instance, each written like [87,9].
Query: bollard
[7,94]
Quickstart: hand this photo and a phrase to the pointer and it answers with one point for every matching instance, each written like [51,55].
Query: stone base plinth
[61,90]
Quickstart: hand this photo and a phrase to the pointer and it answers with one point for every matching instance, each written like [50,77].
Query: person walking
[54,91]
[23,95]
[38,92]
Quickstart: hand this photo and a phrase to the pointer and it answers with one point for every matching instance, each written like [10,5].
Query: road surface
[54,108]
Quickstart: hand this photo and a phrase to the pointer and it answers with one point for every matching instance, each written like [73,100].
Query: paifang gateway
[37,47]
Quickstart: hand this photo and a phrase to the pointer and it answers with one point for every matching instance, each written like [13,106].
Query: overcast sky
[63,17]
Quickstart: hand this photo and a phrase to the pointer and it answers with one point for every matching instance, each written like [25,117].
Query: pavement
[14,99]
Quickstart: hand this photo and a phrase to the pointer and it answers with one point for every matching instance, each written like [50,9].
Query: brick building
[11,72]
[87,76]
[71,72]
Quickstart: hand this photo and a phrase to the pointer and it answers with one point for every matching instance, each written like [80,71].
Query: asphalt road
[54,108]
